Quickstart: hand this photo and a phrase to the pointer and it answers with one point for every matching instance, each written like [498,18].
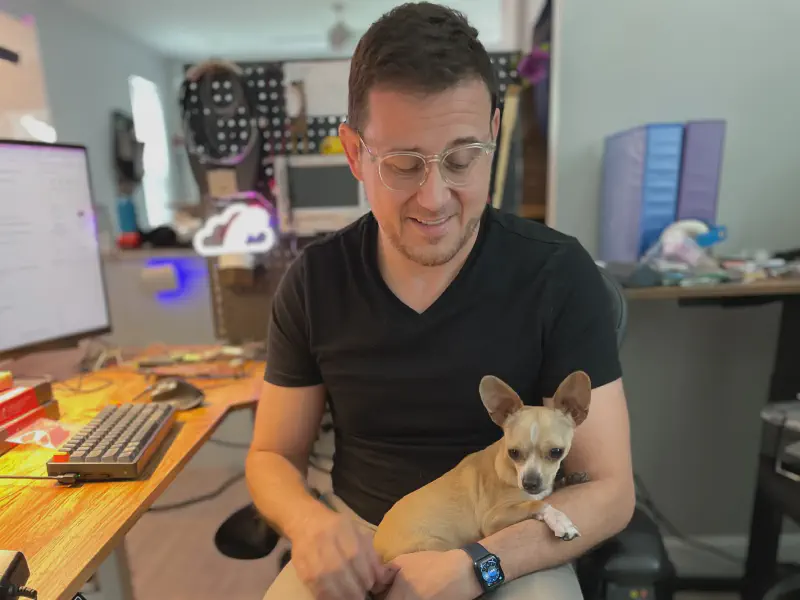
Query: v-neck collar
[370,257]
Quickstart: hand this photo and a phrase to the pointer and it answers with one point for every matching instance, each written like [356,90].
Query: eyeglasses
[407,171]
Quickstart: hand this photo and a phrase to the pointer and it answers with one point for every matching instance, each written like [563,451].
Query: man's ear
[573,396]
[495,124]
[351,142]
[499,399]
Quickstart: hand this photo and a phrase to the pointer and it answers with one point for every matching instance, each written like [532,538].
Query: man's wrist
[465,576]
[305,513]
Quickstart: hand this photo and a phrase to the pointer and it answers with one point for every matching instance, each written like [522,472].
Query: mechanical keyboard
[116,444]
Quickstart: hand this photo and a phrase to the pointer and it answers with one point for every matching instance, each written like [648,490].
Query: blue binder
[639,194]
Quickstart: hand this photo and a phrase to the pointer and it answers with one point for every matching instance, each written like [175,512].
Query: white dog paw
[559,523]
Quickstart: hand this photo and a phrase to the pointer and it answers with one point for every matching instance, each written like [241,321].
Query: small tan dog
[496,487]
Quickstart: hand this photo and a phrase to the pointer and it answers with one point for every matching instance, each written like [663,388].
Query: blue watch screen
[490,571]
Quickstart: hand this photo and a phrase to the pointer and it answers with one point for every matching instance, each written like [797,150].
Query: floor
[172,554]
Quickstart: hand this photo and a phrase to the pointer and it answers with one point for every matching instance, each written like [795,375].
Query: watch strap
[476,551]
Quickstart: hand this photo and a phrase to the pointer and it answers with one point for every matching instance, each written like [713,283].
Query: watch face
[491,572]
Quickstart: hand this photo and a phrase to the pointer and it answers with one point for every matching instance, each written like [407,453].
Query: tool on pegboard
[220,128]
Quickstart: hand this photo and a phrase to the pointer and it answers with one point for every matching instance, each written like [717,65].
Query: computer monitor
[52,289]
[317,194]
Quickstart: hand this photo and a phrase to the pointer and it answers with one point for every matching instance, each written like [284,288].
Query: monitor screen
[51,280]
[322,186]
[317,194]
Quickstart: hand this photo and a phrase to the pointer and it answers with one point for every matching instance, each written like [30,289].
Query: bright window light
[151,130]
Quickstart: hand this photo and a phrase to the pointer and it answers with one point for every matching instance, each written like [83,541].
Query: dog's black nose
[532,483]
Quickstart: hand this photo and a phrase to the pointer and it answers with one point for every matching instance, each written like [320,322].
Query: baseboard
[690,560]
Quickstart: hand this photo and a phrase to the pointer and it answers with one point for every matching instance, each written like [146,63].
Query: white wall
[86,67]
[695,377]
[623,63]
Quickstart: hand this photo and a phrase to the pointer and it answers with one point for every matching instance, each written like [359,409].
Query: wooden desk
[769,287]
[67,532]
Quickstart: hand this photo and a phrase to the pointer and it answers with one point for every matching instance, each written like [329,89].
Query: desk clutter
[28,413]
[123,435]
[683,255]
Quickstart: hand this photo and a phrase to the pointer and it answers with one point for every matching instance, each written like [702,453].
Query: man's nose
[433,194]
[532,482]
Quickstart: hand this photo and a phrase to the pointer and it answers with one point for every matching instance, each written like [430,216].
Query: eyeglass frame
[488,148]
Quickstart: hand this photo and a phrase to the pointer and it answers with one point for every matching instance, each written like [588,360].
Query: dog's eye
[513,454]
[556,453]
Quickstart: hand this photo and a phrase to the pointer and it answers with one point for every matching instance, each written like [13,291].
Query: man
[394,320]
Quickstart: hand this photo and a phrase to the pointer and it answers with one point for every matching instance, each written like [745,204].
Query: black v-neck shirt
[528,306]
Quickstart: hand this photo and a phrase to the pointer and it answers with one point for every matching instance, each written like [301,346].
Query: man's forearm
[599,509]
[279,492]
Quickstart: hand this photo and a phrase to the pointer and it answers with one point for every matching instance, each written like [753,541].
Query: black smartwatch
[487,566]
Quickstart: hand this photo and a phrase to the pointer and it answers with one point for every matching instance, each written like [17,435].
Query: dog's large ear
[499,399]
[573,396]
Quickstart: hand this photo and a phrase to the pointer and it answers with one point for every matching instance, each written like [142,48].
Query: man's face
[426,223]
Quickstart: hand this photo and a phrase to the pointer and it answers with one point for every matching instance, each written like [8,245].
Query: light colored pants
[560,583]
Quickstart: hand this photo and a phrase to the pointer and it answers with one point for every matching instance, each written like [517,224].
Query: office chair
[636,559]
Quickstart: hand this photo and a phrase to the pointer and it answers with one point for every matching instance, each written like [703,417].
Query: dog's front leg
[559,523]
[505,515]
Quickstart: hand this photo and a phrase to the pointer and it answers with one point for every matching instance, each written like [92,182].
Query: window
[151,130]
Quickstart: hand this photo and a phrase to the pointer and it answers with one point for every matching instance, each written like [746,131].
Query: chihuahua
[496,487]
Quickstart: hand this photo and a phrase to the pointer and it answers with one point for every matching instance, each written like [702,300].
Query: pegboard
[505,68]
[265,86]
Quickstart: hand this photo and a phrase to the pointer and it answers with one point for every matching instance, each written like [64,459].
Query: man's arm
[287,424]
[289,412]
[600,508]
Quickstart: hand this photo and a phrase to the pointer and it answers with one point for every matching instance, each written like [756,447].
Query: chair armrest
[636,552]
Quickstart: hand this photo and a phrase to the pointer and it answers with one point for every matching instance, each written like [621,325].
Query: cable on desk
[11,591]
[66,479]
[79,389]
[198,499]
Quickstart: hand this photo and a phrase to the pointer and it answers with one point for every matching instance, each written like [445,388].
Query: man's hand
[434,576]
[336,560]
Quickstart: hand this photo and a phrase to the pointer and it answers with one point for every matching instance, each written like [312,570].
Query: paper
[43,432]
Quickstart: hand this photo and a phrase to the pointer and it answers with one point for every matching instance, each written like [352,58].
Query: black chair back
[619,305]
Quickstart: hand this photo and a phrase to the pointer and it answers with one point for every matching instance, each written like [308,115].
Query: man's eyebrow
[461,141]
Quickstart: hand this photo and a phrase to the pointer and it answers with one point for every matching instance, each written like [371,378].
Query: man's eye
[514,454]
[454,166]
[556,453]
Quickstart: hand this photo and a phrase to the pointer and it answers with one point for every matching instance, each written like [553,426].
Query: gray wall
[86,70]
[695,377]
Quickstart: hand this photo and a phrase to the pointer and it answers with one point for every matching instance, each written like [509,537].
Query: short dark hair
[419,47]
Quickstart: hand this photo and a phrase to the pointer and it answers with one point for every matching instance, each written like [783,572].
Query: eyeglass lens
[407,171]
